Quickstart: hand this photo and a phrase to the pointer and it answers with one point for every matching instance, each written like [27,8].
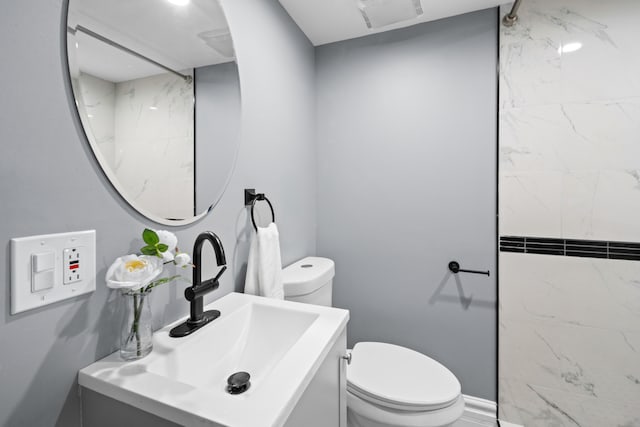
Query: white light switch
[43,280]
[38,268]
[43,271]
[43,261]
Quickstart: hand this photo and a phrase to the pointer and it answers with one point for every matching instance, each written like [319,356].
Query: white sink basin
[280,344]
[252,339]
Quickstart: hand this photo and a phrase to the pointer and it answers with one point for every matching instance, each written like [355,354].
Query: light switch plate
[24,250]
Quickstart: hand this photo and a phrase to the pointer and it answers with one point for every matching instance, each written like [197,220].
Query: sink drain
[238,383]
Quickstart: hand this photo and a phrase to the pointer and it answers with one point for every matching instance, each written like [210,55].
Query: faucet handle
[198,290]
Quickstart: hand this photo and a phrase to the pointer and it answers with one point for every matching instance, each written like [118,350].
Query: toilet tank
[309,280]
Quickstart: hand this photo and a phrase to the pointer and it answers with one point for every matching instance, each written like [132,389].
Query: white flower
[182,260]
[133,272]
[169,239]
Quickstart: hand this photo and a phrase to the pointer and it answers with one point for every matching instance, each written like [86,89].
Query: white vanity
[293,352]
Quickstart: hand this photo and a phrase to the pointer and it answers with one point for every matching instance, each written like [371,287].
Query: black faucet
[196,292]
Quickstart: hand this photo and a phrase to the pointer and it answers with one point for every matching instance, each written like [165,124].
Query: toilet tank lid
[307,275]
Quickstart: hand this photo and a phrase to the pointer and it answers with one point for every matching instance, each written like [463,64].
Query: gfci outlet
[52,267]
[72,265]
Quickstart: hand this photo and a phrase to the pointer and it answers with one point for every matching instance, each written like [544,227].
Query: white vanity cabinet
[294,353]
[324,402]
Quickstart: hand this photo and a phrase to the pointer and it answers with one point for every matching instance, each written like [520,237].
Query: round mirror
[158,95]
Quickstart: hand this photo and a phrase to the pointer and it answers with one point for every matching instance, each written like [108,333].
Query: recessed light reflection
[179,2]
[153,108]
[569,47]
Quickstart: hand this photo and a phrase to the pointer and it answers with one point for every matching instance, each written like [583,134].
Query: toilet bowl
[387,385]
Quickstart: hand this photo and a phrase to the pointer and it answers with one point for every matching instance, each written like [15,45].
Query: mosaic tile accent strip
[571,247]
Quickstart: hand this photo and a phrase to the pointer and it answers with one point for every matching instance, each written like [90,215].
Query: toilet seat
[400,379]
[390,417]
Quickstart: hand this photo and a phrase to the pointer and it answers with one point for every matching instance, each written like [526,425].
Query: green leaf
[150,237]
[149,250]
[162,247]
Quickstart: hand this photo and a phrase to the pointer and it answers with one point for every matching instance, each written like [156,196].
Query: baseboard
[480,413]
[480,410]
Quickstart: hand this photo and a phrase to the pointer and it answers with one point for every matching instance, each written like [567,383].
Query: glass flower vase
[136,336]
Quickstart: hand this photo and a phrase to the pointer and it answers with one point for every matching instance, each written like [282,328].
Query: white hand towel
[264,267]
[251,285]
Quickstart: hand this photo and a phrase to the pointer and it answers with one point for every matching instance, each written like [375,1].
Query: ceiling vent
[380,13]
[220,41]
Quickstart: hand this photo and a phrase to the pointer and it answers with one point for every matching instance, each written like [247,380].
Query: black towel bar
[454,266]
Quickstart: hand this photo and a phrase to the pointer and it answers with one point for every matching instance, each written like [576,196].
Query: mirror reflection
[157,91]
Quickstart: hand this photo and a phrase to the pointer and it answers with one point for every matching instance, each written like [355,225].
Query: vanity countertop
[280,343]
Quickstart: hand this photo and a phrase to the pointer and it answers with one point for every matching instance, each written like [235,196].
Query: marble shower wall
[570,168]
[144,130]
[97,112]
[154,151]
[569,341]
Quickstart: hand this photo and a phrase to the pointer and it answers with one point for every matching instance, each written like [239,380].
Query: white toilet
[387,385]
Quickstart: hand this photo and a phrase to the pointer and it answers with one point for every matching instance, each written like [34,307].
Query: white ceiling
[168,33]
[327,21]
[157,29]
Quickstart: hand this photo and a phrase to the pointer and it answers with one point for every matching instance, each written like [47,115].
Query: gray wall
[406,125]
[49,182]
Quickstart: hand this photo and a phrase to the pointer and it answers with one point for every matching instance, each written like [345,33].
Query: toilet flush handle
[347,357]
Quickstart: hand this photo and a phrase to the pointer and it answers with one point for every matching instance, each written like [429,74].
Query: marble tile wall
[569,341]
[570,168]
[97,105]
[144,132]
[569,122]
[154,144]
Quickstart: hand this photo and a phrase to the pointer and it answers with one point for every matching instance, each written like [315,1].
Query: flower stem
[135,325]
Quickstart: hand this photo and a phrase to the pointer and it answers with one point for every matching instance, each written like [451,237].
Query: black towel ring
[250,198]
